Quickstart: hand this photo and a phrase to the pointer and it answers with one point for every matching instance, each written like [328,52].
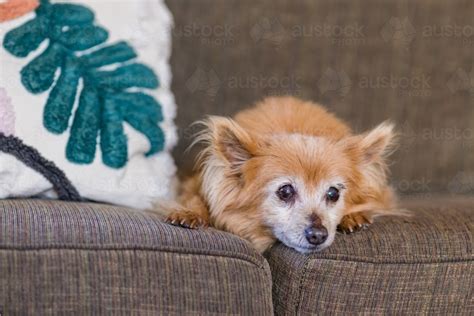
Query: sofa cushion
[418,265]
[100,259]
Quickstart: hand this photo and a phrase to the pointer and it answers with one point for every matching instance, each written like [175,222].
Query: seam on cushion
[269,284]
[304,272]
[382,262]
[237,256]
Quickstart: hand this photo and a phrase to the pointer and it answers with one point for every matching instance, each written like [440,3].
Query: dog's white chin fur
[307,248]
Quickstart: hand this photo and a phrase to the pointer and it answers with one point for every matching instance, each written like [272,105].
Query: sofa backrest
[367,61]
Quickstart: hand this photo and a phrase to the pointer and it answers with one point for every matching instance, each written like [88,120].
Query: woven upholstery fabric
[62,258]
[420,265]
[366,60]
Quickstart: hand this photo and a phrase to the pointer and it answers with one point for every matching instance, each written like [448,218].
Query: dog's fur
[284,140]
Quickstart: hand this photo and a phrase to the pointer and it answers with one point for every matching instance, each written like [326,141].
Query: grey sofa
[367,61]
[60,258]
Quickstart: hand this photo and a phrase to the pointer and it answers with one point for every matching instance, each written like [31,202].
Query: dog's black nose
[316,236]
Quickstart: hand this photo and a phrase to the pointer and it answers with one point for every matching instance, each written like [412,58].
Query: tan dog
[287,169]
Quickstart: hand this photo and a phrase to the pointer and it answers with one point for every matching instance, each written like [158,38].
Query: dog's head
[297,186]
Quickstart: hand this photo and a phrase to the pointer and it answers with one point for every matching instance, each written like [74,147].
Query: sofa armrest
[98,259]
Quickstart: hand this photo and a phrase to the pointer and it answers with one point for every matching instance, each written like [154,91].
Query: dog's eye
[286,192]
[332,195]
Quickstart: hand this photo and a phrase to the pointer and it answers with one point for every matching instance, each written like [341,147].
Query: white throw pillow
[120,165]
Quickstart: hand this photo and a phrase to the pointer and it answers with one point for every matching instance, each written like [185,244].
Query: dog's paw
[186,219]
[353,222]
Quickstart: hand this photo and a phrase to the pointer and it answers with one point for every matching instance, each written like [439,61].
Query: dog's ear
[378,143]
[231,141]
[371,149]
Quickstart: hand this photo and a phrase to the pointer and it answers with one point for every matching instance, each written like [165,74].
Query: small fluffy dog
[287,170]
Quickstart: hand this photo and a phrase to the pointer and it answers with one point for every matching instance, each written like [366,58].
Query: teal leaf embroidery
[108,97]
